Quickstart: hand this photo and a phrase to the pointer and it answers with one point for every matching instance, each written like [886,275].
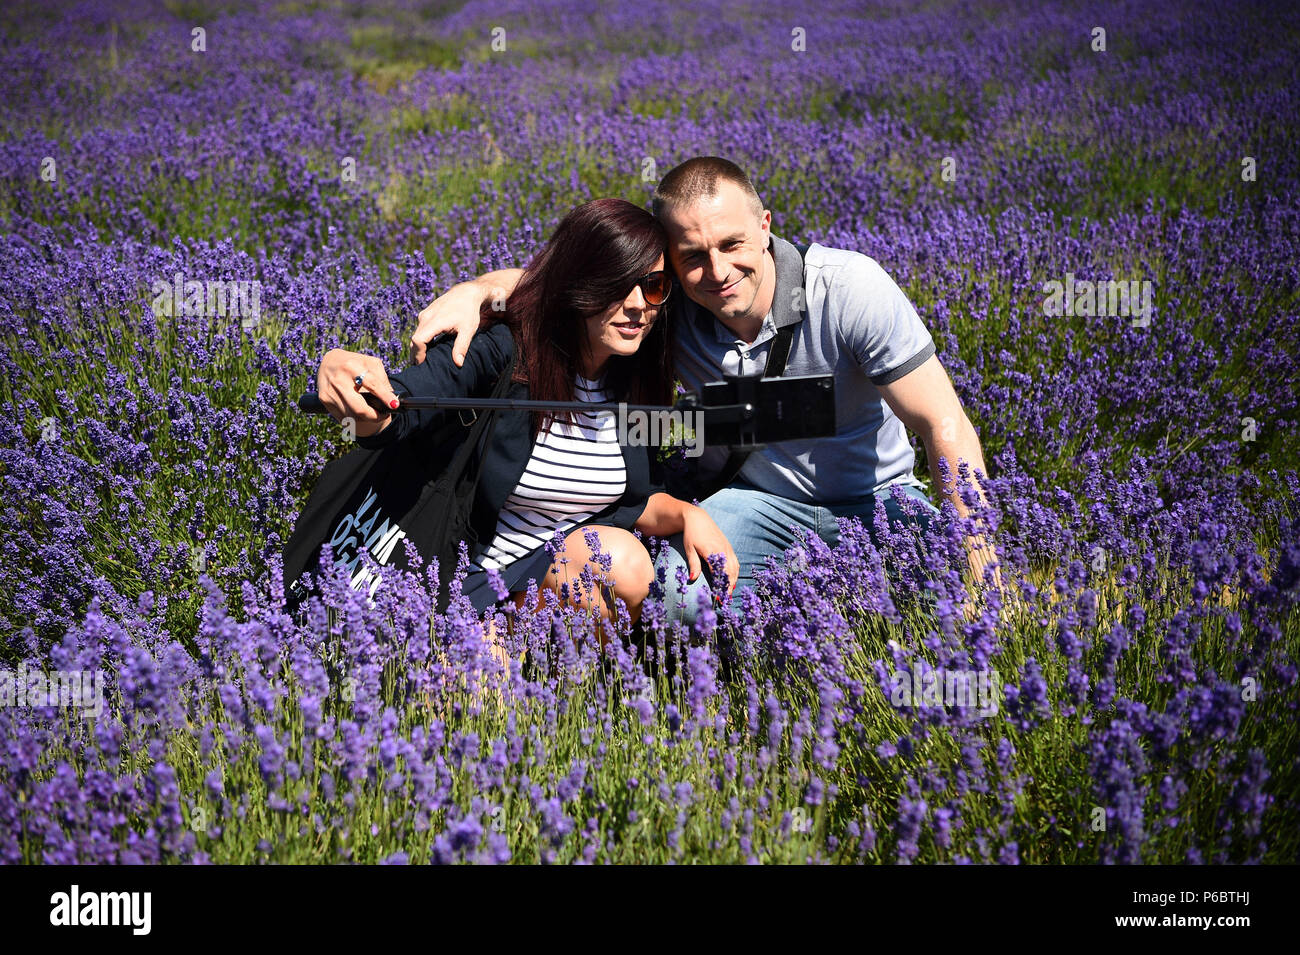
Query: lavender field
[348,162]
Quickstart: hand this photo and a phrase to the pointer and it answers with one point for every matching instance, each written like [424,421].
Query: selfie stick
[744,412]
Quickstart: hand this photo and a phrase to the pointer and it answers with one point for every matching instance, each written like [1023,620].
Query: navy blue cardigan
[507,454]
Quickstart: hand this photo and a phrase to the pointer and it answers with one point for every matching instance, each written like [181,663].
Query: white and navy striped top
[576,470]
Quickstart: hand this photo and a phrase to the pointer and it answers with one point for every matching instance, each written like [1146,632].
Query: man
[742,284]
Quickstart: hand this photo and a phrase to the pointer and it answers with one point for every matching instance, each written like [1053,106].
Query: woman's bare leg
[630,573]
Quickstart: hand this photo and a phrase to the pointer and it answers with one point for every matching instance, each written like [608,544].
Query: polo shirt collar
[789,276]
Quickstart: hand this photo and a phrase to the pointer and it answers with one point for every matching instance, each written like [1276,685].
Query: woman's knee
[618,560]
[680,594]
[632,569]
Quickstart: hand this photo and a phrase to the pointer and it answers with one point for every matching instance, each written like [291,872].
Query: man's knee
[913,506]
[680,595]
[731,508]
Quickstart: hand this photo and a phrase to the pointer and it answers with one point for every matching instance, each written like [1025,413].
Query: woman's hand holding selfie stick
[352,385]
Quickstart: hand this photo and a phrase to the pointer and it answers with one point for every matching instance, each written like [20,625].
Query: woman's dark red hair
[591,261]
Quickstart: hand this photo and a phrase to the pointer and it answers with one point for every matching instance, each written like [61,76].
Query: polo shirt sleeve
[438,376]
[877,322]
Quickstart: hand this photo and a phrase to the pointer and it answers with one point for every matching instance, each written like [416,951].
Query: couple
[590,312]
[585,323]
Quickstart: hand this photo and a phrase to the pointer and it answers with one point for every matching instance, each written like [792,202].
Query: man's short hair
[698,178]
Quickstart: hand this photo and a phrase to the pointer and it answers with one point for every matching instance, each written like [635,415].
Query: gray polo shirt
[861,327]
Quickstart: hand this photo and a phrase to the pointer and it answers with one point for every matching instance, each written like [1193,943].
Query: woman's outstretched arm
[438,376]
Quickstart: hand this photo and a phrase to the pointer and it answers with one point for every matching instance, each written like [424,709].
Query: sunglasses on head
[656,287]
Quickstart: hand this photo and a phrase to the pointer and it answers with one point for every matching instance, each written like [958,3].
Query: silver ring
[358,378]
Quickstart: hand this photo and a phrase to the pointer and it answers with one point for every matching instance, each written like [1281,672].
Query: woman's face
[622,327]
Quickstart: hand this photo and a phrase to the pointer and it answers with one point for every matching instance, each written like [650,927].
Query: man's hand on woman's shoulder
[458,310]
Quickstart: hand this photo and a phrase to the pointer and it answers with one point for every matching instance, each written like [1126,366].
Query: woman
[585,324]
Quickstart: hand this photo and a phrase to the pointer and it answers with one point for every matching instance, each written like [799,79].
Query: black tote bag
[374,499]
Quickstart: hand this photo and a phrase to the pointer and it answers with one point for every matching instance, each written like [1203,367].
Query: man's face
[717,247]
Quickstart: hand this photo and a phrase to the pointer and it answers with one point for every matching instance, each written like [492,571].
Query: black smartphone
[780,409]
